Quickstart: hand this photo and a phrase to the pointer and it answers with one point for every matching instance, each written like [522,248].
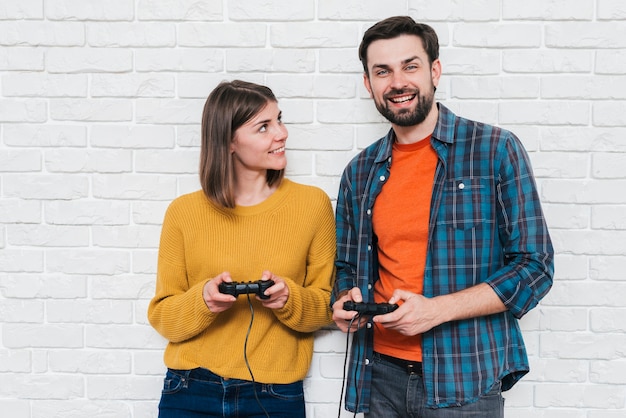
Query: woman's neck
[252,191]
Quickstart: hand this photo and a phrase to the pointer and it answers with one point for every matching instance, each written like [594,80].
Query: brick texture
[100,106]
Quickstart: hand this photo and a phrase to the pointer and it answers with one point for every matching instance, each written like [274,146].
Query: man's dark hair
[393,27]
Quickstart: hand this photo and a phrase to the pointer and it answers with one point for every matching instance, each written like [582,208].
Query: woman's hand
[278,293]
[215,300]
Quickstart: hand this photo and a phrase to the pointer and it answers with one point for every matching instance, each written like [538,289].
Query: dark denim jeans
[200,393]
[395,393]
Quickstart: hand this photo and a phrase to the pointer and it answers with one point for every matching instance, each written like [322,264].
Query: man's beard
[407,117]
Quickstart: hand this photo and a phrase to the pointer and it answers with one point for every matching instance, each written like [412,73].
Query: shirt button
[369,248]
[461,186]
[369,286]
[367,361]
[369,211]
[382,178]
[369,325]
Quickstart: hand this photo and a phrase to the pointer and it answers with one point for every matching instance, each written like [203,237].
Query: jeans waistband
[199,373]
[410,367]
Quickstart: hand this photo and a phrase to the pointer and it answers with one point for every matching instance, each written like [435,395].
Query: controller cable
[345,362]
[245,356]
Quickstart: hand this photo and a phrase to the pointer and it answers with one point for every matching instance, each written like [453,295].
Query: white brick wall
[100,104]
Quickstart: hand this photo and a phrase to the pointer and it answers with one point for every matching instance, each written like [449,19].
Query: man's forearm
[479,300]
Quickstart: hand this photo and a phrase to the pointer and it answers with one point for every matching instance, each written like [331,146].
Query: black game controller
[238,288]
[369,308]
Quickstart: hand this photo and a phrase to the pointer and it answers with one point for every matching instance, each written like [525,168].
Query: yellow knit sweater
[291,234]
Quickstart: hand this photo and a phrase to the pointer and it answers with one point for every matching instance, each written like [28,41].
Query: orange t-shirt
[401,216]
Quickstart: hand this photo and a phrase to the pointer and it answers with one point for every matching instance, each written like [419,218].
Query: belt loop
[185,378]
[410,368]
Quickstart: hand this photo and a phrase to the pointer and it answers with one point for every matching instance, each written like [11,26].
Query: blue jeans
[201,393]
[396,393]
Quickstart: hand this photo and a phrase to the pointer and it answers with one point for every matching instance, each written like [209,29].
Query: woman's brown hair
[229,106]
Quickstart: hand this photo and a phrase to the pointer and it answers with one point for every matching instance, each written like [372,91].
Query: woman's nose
[281,133]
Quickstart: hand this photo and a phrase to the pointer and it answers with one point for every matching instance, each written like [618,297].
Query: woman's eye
[263,128]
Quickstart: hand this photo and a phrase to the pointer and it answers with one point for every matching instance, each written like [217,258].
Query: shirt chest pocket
[467,202]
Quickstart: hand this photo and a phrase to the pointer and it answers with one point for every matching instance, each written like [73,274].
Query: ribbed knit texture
[292,234]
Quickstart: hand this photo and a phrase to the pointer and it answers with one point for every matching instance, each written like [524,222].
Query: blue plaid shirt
[486,226]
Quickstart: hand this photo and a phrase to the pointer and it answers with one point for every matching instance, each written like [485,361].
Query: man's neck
[415,133]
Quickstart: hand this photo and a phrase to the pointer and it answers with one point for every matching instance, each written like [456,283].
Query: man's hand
[416,314]
[342,317]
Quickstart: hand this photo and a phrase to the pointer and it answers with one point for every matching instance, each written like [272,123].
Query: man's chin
[405,119]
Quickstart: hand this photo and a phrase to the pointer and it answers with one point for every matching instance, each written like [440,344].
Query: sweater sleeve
[308,306]
[177,311]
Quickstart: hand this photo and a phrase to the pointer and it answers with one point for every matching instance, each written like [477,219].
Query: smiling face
[401,80]
[259,144]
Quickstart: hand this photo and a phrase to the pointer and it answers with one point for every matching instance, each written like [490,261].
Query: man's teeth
[402,99]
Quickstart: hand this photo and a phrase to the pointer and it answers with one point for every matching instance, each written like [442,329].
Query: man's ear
[435,72]
[368,85]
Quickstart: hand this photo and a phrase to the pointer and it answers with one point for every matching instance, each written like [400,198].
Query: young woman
[242,355]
